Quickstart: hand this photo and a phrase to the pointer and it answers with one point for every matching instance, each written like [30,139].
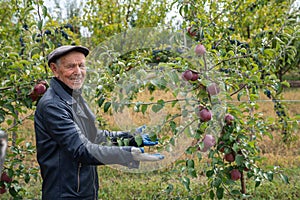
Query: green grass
[119,185]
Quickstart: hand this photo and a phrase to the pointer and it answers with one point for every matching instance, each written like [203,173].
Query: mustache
[77,77]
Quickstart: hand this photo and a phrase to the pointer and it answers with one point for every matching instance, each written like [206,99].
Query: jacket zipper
[94,177]
[78,177]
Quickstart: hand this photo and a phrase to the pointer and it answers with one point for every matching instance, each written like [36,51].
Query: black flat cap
[63,50]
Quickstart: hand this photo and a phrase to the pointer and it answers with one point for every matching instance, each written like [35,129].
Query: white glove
[139,155]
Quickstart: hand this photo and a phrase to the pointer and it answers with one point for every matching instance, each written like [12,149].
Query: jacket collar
[69,99]
[61,92]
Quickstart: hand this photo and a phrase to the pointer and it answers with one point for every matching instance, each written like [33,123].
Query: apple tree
[215,74]
[28,33]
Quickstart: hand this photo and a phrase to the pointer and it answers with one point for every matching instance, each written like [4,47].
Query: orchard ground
[165,184]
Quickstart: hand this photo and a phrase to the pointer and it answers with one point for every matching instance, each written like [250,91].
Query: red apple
[40,88]
[222,148]
[2,189]
[230,157]
[33,96]
[235,174]
[229,119]
[200,50]
[246,169]
[195,76]
[5,178]
[204,114]
[187,75]
[208,142]
[213,89]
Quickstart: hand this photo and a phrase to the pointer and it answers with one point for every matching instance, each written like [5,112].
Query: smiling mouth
[77,79]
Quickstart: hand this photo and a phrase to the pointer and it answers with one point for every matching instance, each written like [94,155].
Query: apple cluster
[38,90]
[190,75]
[204,113]
[226,149]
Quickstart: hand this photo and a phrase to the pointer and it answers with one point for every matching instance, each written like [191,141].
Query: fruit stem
[243,184]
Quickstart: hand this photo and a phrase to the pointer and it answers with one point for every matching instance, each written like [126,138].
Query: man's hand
[147,140]
[139,155]
[145,137]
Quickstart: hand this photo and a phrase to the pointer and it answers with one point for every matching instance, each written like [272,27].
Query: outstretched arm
[120,138]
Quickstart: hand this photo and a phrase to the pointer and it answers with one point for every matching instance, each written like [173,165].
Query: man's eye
[70,66]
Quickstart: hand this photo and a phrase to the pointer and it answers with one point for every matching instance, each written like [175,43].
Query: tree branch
[232,58]
[237,91]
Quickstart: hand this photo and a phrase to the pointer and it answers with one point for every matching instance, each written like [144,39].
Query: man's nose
[77,69]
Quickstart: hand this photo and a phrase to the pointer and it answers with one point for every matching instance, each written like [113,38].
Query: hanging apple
[204,114]
[200,50]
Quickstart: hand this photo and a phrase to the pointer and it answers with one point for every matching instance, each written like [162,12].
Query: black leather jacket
[68,149]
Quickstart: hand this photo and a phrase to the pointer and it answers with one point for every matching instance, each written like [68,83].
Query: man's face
[70,69]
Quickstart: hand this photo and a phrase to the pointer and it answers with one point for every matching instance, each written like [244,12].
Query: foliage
[106,18]
[249,47]
[241,69]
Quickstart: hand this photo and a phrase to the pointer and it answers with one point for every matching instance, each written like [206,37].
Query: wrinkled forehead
[73,57]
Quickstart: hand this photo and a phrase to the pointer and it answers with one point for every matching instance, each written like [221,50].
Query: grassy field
[165,184]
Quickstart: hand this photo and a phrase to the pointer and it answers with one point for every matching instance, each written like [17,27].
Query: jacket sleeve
[60,124]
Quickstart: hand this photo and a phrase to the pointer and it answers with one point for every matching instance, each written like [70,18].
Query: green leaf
[198,197]
[173,76]
[138,139]
[220,192]
[169,189]
[144,108]
[137,107]
[285,83]
[199,156]
[172,141]
[190,163]
[26,178]
[19,140]
[235,192]
[209,173]
[231,53]
[173,127]
[284,178]
[45,11]
[106,106]
[239,159]
[192,172]
[269,52]
[157,107]
[101,101]
[270,175]
[211,194]
[40,24]
[186,182]
[240,94]
[257,183]
[217,182]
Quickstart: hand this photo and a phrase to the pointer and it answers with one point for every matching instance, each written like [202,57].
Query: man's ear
[54,69]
